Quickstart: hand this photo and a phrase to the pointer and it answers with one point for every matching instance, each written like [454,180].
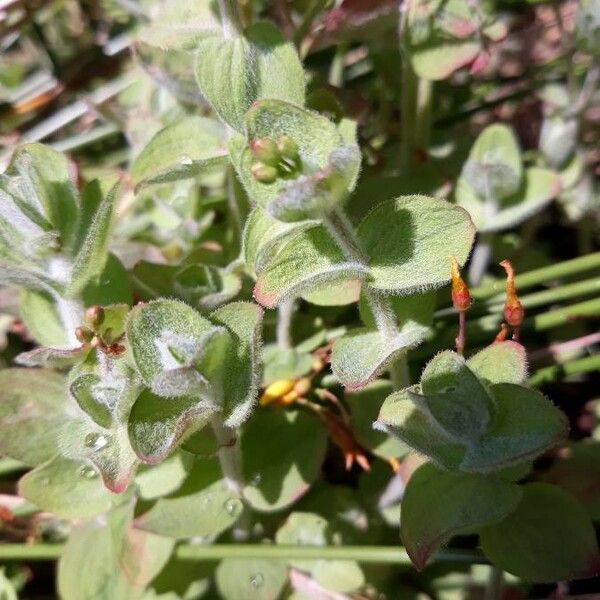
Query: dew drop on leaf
[233,506]
[256,581]
[95,441]
[186,160]
[88,472]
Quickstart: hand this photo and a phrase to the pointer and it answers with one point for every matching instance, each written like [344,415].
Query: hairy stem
[343,233]
[70,312]
[229,455]
[284,324]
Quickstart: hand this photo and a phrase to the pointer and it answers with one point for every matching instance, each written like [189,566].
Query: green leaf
[92,549]
[442,37]
[109,560]
[96,397]
[41,318]
[264,236]
[361,355]
[414,309]
[177,26]
[501,362]
[364,407]
[157,425]
[438,505]
[400,418]
[68,488]
[111,286]
[91,256]
[176,351]
[241,365]
[494,168]
[548,538]
[307,261]
[165,478]
[42,187]
[538,188]
[525,425]
[245,579]
[235,72]
[181,150]
[454,399]
[409,241]
[275,484]
[281,363]
[303,529]
[34,414]
[207,512]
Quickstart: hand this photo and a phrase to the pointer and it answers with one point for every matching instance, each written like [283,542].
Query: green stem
[231,20]
[343,233]
[493,590]
[538,276]
[566,315]
[408,109]
[284,324]
[213,552]
[572,367]
[563,292]
[314,8]
[423,113]
[229,455]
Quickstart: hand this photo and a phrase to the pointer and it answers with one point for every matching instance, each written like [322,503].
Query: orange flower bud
[344,438]
[502,334]
[461,298]
[513,309]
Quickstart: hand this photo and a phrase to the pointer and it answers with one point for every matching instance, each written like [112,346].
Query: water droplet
[233,506]
[256,479]
[455,367]
[186,160]
[95,441]
[88,472]
[256,581]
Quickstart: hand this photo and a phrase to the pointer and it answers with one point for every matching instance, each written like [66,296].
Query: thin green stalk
[557,294]
[231,20]
[213,552]
[284,324]
[566,369]
[314,8]
[229,454]
[423,113]
[566,315]
[539,276]
[343,233]
[493,589]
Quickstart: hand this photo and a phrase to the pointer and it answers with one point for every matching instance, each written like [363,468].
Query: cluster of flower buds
[275,159]
[90,333]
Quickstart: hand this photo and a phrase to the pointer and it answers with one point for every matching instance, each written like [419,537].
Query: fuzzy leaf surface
[409,241]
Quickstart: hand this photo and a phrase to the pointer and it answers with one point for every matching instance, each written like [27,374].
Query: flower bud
[266,151]
[84,335]
[264,173]
[94,316]
[461,298]
[288,148]
[276,391]
[513,309]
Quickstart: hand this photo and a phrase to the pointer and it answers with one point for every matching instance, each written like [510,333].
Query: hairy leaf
[409,242]
[181,150]
[234,72]
[361,355]
[502,362]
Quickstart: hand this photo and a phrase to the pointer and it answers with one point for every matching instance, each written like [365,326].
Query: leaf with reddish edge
[305,263]
[548,538]
[438,505]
